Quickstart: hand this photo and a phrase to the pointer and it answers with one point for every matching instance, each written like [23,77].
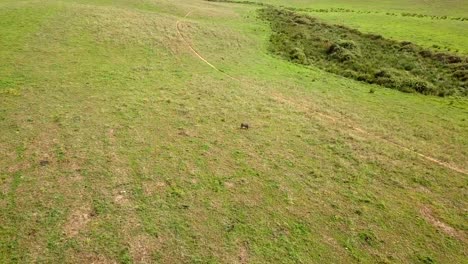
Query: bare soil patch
[77,221]
[429,216]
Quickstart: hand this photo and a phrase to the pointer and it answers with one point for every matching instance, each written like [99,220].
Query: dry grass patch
[80,257]
[77,221]
[143,247]
[243,254]
[154,187]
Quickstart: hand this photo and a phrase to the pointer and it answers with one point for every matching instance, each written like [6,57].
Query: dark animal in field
[244,126]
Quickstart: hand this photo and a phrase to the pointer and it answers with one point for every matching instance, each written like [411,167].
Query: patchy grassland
[119,145]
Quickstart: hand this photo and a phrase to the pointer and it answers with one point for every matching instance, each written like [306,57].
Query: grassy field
[119,145]
[435,7]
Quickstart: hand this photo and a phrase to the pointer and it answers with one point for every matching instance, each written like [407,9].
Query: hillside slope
[119,144]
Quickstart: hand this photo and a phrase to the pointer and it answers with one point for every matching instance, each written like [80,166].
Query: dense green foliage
[365,57]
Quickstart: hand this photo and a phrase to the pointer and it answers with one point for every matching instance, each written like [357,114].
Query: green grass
[147,162]
[440,35]
[437,7]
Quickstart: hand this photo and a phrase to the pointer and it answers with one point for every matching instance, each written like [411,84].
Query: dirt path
[196,52]
[333,119]
[429,216]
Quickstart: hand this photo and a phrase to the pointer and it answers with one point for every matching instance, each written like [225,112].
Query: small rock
[44,162]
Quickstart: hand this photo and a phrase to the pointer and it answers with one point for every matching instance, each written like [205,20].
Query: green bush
[462,75]
[419,86]
[343,50]
[302,20]
[297,55]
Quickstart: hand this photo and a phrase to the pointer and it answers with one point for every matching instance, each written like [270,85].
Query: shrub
[340,54]
[405,43]
[302,20]
[343,50]
[348,44]
[408,66]
[382,74]
[375,37]
[297,55]
[425,53]
[419,86]
[461,75]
